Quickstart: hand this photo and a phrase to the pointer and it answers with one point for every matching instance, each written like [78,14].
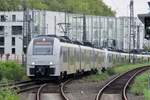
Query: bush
[110,71]
[8,94]
[11,71]
[97,77]
[140,84]
[146,94]
[126,67]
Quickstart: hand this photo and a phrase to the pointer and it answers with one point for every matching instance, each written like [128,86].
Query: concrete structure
[11,26]
[102,31]
[12,29]
[108,32]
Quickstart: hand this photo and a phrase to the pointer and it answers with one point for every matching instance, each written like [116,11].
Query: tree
[90,7]
[37,4]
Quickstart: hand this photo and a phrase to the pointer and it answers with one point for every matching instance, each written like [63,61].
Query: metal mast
[84,28]
[26,26]
[132,29]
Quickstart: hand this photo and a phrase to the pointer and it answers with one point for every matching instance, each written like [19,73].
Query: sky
[122,6]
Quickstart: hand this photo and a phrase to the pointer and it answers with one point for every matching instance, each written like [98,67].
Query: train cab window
[43,46]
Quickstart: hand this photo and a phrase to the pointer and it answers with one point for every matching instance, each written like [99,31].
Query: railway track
[15,83]
[120,84]
[22,86]
[53,88]
[25,86]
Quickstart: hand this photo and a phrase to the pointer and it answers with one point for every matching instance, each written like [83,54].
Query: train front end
[42,58]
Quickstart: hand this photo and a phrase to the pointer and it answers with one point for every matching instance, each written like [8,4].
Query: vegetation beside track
[113,71]
[96,77]
[10,72]
[124,68]
[140,86]
[8,94]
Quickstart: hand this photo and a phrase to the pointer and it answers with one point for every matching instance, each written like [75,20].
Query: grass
[126,67]
[140,85]
[96,77]
[8,94]
[146,94]
[11,71]
[112,71]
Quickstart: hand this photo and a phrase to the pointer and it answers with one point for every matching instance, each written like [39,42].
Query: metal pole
[24,31]
[65,24]
[138,37]
[84,28]
[55,25]
[130,38]
[107,33]
[131,28]
[76,29]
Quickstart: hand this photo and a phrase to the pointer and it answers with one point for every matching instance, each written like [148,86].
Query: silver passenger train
[57,57]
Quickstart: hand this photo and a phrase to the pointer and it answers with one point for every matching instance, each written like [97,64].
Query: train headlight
[33,63]
[51,63]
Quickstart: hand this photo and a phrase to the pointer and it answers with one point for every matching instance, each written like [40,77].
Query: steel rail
[128,83]
[38,95]
[124,96]
[63,87]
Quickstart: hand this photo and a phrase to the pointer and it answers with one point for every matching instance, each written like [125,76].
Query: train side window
[109,57]
[64,54]
[71,56]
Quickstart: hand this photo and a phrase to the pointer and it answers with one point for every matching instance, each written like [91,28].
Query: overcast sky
[122,6]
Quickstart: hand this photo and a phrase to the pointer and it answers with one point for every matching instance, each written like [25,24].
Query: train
[56,57]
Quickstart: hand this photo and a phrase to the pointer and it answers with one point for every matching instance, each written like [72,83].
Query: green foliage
[114,70]
[126,67]
[9,5]
[8,94]
[94,7]
[138,88]
[36,4]
[111,71]
[146,94]
[91,7]
[97,77]
[11,71]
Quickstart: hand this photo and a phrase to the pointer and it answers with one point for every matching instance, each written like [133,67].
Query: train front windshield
[43,46]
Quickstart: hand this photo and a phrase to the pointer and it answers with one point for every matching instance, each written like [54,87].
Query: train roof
[68,40]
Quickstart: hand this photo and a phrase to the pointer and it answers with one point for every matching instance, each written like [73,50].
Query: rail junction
[117,85]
